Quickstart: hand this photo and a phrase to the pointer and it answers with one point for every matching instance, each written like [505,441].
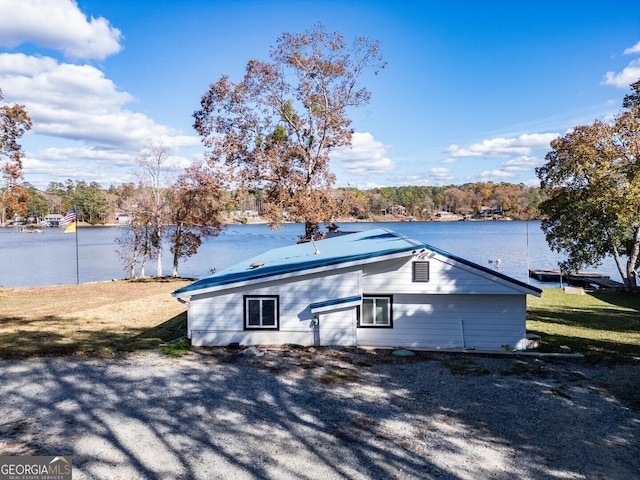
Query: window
[421,271]
[261,312]
[376,312]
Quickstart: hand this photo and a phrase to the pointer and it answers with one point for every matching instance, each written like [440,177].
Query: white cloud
[521,164]
[630,74]
[439,175]
[496,175]
[525,144]
[93,164]
[365,155]
[633,50]
[78,102]
[510,170]
[58,25]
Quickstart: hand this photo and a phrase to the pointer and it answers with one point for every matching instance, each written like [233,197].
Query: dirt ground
[289,413]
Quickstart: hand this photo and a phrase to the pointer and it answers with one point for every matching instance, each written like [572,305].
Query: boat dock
[587,279]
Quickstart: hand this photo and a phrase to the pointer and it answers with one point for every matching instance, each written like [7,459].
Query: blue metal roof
[305,256]
[359,246]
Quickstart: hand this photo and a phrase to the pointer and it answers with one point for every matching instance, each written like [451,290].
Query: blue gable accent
[334,302]
[484,269]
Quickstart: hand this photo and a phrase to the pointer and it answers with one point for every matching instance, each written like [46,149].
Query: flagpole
[72,218]
[77,256]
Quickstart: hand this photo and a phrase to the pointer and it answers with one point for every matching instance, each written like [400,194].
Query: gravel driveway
[294,414]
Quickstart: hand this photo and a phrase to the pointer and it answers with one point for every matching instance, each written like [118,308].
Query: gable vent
[421,271]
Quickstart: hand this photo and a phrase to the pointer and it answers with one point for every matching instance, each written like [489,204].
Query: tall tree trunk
[159,262]
[143,263]
[632,261]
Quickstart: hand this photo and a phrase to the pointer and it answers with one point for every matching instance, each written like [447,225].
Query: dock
[557,275]
[588,280]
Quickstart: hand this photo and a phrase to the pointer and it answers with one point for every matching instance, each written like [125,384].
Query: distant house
[374,288]
[396,210]
[52,220]
[123,218]
[489,212]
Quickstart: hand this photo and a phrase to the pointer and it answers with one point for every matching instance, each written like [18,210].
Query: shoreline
[262,221]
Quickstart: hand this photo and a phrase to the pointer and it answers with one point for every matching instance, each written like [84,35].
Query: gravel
[325,414]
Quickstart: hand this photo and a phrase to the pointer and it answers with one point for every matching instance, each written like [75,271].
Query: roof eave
[292,274]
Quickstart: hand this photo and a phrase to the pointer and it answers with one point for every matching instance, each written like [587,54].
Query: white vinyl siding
[396,276]
[451,321]
[338,327]
[218,319]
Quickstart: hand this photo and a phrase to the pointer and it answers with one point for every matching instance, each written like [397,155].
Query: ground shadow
[322,413]
[24,338]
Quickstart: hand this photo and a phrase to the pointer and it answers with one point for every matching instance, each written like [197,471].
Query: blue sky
[473,91]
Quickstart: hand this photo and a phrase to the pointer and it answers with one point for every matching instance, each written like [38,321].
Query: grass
[114,317]
[602,326]
[90,319]
[176,348]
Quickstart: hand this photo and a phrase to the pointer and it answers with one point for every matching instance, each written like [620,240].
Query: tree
[153,175]
[14,202]
[134,246]
[92,202]
[592,179]
[275,129]
[14,122]
[37,205]
[197,201]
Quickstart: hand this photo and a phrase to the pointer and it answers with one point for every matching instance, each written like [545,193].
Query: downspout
[188,304]
[462,332]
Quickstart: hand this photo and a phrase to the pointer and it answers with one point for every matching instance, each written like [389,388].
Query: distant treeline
[480,199]
[97,205]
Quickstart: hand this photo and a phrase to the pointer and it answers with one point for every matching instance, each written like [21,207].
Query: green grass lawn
[602,326]
[112,317]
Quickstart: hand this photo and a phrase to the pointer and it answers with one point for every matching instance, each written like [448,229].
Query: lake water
[49,258]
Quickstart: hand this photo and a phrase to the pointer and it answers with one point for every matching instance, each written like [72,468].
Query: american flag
[69,217]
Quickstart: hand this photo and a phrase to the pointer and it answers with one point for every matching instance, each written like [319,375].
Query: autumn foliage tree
[592,182]
[274,130]
[196,206]
[14,122]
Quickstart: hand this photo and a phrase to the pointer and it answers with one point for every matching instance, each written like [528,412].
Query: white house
[52,220]
[374,288]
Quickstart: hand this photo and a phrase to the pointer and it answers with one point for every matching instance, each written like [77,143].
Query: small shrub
[177,348]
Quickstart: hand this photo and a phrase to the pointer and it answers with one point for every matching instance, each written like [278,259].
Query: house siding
[444,278]
[451,321]
[457,308]
[218,318]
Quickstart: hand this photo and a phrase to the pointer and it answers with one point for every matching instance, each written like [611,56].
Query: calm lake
[49,258]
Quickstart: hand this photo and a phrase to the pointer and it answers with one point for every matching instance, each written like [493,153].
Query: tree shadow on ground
[310,414]
[24,338]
